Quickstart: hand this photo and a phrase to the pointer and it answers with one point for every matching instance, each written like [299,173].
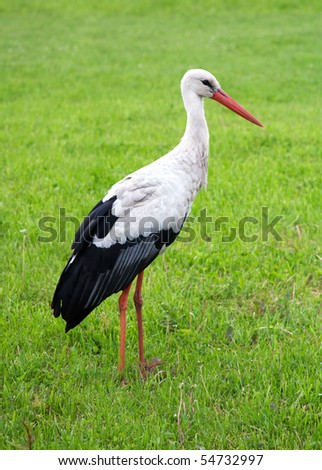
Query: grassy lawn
[89,93]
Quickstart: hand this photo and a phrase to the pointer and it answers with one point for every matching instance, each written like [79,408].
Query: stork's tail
[72,294]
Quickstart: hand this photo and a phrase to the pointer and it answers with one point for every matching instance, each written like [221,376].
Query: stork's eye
[207,83]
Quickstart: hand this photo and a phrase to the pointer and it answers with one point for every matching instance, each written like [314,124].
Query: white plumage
[140,216]
[163,191]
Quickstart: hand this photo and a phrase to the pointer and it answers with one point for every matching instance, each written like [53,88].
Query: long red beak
[222,97]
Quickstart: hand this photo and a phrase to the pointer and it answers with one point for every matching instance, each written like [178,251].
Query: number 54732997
[231,459]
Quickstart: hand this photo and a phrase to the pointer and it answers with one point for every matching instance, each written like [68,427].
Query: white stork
[139,217]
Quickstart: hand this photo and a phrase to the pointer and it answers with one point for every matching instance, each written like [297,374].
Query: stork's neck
[196,128]
[195,141]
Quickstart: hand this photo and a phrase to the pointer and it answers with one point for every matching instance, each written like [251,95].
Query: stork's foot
[124,382]
[147,368]
[153,364]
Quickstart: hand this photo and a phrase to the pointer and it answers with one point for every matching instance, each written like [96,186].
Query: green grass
[90,92]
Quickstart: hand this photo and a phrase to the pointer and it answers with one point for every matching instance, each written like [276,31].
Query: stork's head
[201,82]
[205,85]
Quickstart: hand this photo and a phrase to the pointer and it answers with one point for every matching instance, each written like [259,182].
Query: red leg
[123,304]
[138,301]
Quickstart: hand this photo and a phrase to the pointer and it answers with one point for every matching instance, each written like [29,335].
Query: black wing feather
[98,222]
[92,274]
